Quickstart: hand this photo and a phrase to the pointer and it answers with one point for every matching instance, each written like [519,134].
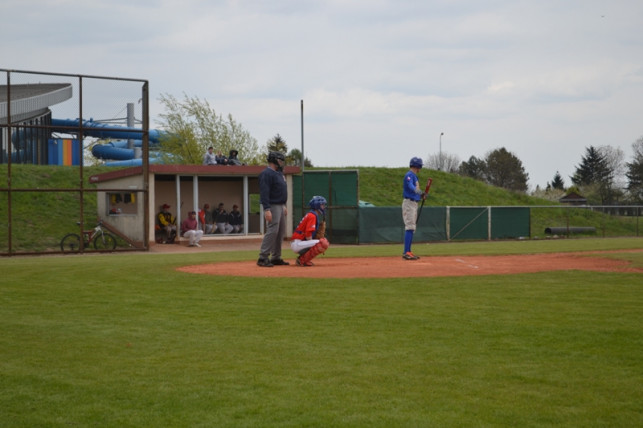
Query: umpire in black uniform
[273,195]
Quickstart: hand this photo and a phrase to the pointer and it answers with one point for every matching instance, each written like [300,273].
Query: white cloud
[380,79]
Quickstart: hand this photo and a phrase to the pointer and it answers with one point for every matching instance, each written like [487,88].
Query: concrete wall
[128,223]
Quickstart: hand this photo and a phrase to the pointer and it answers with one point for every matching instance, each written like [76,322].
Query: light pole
[440,159]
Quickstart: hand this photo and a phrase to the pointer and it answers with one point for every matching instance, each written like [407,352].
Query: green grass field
[124,340]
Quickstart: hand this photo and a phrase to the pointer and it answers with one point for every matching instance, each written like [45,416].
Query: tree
[554,190]
[294,158]
[277,144]
[615,161]
[549,193]
[192,126]
[592,169]
[594,176]
[447,162]
[557,182]
[474,168]
[635,173]
[505,170]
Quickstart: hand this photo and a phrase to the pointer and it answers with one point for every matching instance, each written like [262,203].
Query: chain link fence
[48,124]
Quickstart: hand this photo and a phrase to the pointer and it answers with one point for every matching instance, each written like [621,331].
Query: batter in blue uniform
[412,195]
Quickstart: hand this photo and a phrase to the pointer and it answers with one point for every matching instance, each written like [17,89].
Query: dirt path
[390,267]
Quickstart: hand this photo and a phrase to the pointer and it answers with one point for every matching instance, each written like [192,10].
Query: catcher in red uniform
[309,239]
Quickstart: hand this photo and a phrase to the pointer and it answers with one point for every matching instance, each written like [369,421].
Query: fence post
[488,223]
[448,223]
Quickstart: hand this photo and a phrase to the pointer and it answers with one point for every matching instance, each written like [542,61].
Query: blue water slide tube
[116,152]
[109,151]
[123,144]
[103,130]
[132,162]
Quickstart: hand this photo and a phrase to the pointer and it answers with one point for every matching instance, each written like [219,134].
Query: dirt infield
[393,267]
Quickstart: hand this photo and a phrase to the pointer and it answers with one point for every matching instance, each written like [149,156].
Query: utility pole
[440,158]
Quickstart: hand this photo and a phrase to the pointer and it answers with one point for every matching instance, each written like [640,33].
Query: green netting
[385,225]
[510,222]
[344,189]
[432,224]
[342,226]
[468,223]
[488,222]
[316,184]
[340,188]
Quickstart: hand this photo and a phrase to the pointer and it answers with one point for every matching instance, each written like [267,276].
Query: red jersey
[307,228]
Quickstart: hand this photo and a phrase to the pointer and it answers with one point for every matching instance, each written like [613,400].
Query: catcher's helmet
[416,162]
[278,159]
[316,203]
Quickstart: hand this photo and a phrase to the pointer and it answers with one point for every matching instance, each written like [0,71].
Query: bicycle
[102,240]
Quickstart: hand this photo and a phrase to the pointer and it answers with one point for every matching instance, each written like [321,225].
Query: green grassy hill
[382,187]
[41,218]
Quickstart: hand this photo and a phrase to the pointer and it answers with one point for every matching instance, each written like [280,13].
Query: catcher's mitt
[321,232]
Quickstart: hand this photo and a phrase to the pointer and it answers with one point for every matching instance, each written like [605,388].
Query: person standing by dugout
[273,195]
[412,195]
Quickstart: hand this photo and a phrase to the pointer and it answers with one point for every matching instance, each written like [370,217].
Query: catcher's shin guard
[314,251]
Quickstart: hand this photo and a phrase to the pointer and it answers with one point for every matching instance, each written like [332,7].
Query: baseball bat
[426,192]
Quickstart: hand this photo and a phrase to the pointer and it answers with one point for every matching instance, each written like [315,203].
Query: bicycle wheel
[70,243]
[104,241]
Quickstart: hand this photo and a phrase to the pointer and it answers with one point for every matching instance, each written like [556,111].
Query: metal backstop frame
[27,99]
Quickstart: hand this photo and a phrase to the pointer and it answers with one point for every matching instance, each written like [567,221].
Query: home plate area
[428,266]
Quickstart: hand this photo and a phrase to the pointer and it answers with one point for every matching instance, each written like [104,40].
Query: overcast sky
[380,80]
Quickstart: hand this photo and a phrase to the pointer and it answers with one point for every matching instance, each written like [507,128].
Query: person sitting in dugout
[206,219]
[236,219]
[167,223]
[221,220]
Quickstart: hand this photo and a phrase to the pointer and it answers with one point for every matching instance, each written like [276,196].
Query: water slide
[117,153]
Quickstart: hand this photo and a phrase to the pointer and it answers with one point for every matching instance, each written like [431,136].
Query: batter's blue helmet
[316,202]
[416,163]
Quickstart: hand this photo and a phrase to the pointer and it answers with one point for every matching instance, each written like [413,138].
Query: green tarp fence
[384,224]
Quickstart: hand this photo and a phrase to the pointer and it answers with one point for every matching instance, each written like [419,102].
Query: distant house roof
[573,198]
[31,100]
